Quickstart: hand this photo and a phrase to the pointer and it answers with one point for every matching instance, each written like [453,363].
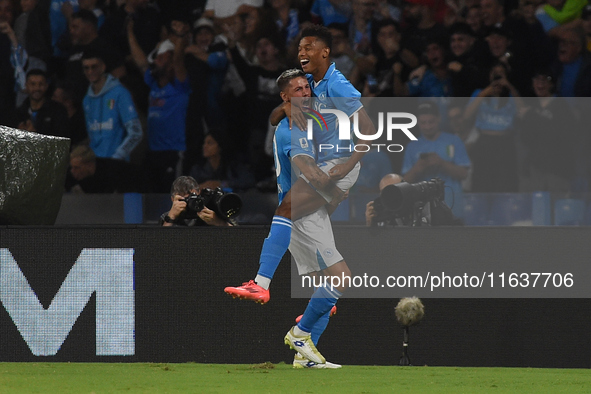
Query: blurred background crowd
[150,90]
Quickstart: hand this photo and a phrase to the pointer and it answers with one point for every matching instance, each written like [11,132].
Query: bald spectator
[371,215]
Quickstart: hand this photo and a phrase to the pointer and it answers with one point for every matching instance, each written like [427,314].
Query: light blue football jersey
[285,147]
[334,91]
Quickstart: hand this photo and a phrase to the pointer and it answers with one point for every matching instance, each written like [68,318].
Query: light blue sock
[275,246]
[320,304]
[319,327]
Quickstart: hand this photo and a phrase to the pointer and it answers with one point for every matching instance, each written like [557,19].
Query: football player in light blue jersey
[289,148]
[314,50]
[284,150]
[334,91]
[331,90]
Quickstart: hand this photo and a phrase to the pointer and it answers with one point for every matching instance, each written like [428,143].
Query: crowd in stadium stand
[178,87]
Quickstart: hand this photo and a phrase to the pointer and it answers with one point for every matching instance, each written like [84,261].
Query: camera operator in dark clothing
[371,214]
[412,205]
[179,215]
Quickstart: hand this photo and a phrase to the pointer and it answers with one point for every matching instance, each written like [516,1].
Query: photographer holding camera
[372,215]
[183,194]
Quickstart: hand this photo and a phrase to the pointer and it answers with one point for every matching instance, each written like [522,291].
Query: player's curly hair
[320,32]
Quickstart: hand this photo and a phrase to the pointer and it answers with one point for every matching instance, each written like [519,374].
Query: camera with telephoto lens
[225,205]
[405,204]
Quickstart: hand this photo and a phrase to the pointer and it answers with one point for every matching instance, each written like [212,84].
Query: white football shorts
[312,243]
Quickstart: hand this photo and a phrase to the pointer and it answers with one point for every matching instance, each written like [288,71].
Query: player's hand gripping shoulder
[294,115]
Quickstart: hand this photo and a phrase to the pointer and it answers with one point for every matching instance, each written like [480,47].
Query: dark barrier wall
[172,307]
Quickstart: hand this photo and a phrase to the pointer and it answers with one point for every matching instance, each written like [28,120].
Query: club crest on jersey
[111,103]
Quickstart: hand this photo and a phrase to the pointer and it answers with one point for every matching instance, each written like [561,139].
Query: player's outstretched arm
[366,127]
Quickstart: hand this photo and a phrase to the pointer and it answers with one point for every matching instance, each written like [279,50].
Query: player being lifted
[343,168]
[312,232]
[326,82]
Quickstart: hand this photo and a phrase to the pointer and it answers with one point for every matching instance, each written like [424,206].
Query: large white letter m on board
[108,272]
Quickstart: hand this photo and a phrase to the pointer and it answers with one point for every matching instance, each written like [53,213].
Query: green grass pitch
[282,378]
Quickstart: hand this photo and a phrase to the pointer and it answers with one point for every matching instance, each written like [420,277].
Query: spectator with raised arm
[148,26]
[361,23]
[262,97]
[169,98]
[33,32]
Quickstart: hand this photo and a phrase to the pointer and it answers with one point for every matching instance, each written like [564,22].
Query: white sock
[299,332]
[263,282]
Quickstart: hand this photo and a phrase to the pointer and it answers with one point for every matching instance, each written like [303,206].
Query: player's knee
[340,276]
